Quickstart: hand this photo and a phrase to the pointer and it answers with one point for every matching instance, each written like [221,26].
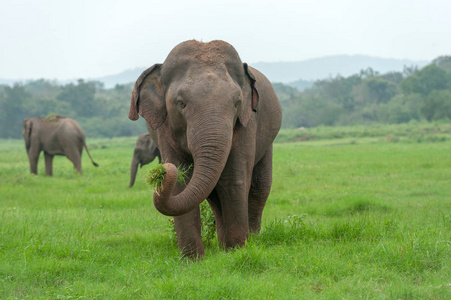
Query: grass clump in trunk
[156,175]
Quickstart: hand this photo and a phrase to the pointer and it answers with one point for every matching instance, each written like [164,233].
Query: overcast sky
[65,39]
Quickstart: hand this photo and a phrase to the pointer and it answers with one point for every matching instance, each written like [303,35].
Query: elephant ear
[250,96]
[27,126]
[148,98]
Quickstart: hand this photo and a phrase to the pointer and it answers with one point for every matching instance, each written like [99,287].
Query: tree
[15,106]
[426,80]
[401,109]
[380,90]
[368,73]
[443,62]
[437,106]
[80,97]
[395,77]
[409,70]
[339,89]
[44,95]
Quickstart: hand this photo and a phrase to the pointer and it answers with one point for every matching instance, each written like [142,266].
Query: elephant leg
[48,164]
[33,157]
[188,229]
[188,226]
[259,191]
[234,229]
[74,155]
[77,165]
[232,190]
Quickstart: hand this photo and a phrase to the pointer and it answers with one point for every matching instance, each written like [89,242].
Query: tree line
[101,112]
[364,98]
[368,97]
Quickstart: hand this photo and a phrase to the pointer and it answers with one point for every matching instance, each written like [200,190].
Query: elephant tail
[89,154]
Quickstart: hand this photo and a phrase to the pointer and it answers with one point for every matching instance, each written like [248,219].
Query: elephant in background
[204,107]
[55,135]
[144,153]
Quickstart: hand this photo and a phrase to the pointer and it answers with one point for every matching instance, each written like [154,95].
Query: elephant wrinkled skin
[55,135]
[144,153]
[204,107]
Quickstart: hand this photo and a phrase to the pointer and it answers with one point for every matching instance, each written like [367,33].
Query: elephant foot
[235,238]
[196,254]
[193,250]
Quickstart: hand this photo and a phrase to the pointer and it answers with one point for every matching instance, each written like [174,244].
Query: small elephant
[204,107]
[55,135]
[144,153]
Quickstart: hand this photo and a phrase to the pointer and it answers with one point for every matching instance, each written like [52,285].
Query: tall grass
[369,219]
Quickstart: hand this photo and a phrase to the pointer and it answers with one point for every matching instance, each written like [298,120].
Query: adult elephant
[55,135]
[144,153]
[204,107]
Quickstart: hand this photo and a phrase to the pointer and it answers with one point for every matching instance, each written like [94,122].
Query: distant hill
[300,74]
[126,76]
[330,66]
[303,73]
[7,81]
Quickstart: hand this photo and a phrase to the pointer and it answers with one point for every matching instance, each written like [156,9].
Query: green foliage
[443,62]
[100,112]
[401,109]
[13,110]
[51,118]
[426,80]
[370,98]
[170,226]
[80,97]
[285,92]
[208,223]
[380,90]
[437,106]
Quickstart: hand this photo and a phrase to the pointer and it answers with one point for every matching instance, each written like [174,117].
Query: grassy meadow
[354,212]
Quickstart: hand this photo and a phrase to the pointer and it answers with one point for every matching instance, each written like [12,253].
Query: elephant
[55,135]
[144,153]
[204,107]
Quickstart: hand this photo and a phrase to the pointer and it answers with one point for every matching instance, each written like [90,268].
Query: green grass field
[353,213]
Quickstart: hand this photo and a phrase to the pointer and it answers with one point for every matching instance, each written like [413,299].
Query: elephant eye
[180,103]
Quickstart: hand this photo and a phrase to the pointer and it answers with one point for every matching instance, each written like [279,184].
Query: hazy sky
[63,39]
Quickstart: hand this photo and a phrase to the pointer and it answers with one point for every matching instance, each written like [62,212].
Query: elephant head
[198,97]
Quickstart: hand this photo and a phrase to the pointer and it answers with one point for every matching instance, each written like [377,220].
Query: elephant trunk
[133,171]
[210,149]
